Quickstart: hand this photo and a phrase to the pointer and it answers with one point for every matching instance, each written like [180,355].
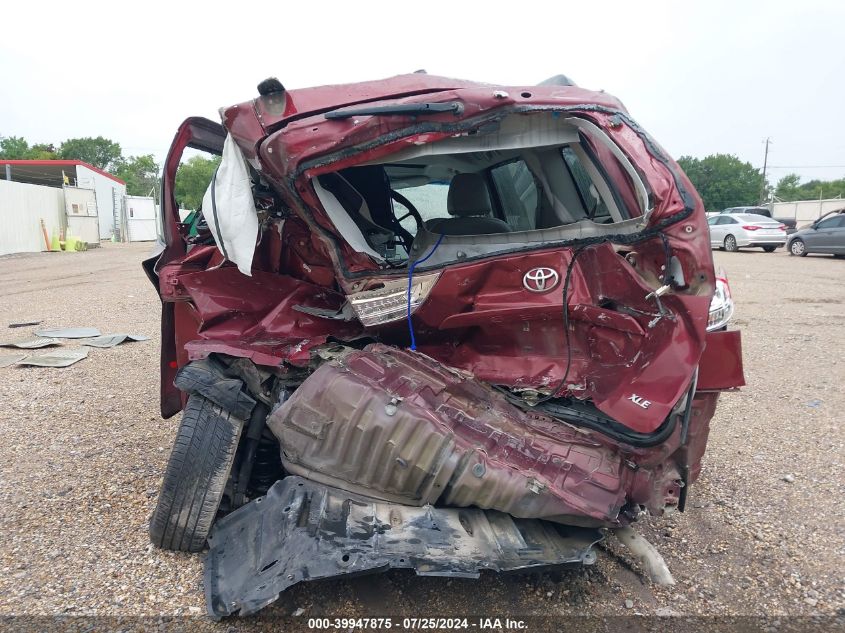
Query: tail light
[721,305]
[782,227]
[751,227]
[390,302]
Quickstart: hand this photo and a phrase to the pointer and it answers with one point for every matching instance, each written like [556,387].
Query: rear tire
[797,248]
[769,249]
[196,476]
[730,244]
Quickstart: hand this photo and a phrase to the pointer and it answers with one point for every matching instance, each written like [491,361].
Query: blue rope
[410,282]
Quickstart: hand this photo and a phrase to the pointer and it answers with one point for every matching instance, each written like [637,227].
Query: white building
[108,191]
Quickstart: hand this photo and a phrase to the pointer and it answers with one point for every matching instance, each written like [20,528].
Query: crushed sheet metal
[32,343]
[111,340]
[58,358]
[7,360]
[305,531]
[69,332]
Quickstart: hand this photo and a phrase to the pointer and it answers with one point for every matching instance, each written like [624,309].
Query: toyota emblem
[540,279]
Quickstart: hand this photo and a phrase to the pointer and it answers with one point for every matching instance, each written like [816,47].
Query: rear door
[724,224]
[206,136]
[839,237]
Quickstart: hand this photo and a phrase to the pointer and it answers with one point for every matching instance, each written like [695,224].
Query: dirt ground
[84,451]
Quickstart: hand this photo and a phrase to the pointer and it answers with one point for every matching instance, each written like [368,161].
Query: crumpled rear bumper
[302,531]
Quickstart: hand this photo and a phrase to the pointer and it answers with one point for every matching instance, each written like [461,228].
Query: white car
[735,231]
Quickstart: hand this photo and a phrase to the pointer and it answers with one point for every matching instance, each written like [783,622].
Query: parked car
[789,223]
[825,235]
[732,232]
[431,324]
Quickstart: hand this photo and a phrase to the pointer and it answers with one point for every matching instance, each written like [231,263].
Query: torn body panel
[615,359]
[303,531]
[480,318]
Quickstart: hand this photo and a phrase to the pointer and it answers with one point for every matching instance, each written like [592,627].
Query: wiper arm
[391,110]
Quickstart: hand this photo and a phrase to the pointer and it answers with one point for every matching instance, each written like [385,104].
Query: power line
[806,167]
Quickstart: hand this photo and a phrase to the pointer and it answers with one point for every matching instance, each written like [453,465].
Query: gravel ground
[85,451]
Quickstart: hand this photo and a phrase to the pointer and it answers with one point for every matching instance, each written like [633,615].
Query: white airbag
[229,209]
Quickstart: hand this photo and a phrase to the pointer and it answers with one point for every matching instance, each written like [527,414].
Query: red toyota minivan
[430,323]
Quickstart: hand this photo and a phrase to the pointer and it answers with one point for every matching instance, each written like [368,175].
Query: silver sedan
[734,231]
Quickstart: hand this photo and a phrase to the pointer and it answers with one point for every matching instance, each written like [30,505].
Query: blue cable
[410,282]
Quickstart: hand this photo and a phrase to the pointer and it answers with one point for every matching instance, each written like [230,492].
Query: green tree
[139,172]
[100,152]
[723,181]
[787,187]
[790,188]
[43,151]
[192,179]
[17,148]
[14,148]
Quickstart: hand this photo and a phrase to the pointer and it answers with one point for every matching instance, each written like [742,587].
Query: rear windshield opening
[535,174]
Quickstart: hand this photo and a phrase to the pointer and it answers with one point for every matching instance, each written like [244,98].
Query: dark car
[432,324]
[789,223]
[825,235]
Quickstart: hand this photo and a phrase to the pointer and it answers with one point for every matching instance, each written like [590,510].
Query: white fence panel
[805,211]
[143,230]
[141,218]
[22,207]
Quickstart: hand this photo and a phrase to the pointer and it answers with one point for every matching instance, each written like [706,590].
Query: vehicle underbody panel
[302,531]
[399,426]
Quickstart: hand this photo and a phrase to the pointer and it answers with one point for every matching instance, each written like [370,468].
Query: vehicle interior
[459,190]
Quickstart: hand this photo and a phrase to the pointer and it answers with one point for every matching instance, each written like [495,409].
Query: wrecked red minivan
[431,324]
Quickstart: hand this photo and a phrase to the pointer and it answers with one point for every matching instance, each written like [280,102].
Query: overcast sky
[701,76]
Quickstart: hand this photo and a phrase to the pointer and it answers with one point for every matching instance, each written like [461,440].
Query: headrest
[468,196]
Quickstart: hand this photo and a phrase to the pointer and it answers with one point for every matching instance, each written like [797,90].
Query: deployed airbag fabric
[229,208]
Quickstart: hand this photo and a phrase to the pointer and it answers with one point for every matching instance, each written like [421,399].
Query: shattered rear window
[531,180]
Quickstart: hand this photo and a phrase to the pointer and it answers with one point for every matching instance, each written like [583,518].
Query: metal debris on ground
[110,340]
[58,358]
[69,332]
[32,343]
[24,324]
[7,360]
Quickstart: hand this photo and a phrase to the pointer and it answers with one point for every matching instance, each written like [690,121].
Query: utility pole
[765,163]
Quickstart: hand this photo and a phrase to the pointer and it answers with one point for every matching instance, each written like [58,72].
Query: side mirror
[814,226]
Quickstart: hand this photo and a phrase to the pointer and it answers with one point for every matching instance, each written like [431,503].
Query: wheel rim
[797,247]
[730,243]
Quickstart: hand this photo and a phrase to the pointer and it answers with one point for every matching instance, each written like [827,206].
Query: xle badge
[639,401]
